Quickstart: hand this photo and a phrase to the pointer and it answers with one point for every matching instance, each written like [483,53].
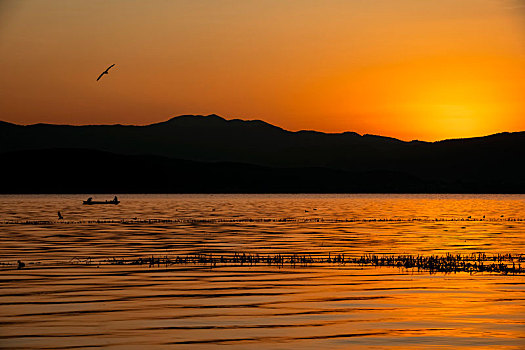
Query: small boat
[90,201]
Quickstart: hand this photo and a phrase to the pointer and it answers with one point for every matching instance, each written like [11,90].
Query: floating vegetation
[251,220]
[449,263]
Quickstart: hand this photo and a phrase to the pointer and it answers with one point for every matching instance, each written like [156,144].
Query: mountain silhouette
[267,155]
[89,171]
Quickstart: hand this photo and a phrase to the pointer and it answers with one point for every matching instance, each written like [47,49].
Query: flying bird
[104,72]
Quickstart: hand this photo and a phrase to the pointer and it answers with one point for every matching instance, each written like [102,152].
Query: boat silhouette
[90,201]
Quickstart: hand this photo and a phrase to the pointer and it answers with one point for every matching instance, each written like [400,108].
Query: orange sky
[409,69]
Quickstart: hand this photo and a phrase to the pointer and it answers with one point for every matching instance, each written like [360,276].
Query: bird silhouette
[104,72]
[60,217]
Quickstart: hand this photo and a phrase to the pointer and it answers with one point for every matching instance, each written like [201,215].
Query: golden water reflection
[53,304]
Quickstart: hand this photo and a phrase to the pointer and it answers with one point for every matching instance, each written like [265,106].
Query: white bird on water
[104,72]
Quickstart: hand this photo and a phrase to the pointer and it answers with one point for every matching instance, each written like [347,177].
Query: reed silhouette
[146,221]
[448,263]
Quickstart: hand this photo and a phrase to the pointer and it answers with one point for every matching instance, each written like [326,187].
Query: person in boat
[89,199]
[115,199]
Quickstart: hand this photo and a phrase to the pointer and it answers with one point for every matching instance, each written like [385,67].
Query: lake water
[57,302]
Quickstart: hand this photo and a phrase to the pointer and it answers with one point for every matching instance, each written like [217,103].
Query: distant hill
[275,160]
[89,171]
[204,138]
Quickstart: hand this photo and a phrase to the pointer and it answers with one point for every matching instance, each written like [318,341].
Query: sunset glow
[262,174]
[409,69]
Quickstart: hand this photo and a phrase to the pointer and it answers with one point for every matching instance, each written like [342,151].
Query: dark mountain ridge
[483,164]
[89,171]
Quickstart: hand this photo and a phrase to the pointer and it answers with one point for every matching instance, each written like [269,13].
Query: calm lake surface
[58,302]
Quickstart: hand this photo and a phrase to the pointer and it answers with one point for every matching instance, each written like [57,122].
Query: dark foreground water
[57,301]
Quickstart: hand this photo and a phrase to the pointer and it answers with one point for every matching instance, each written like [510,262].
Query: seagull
[104,72]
